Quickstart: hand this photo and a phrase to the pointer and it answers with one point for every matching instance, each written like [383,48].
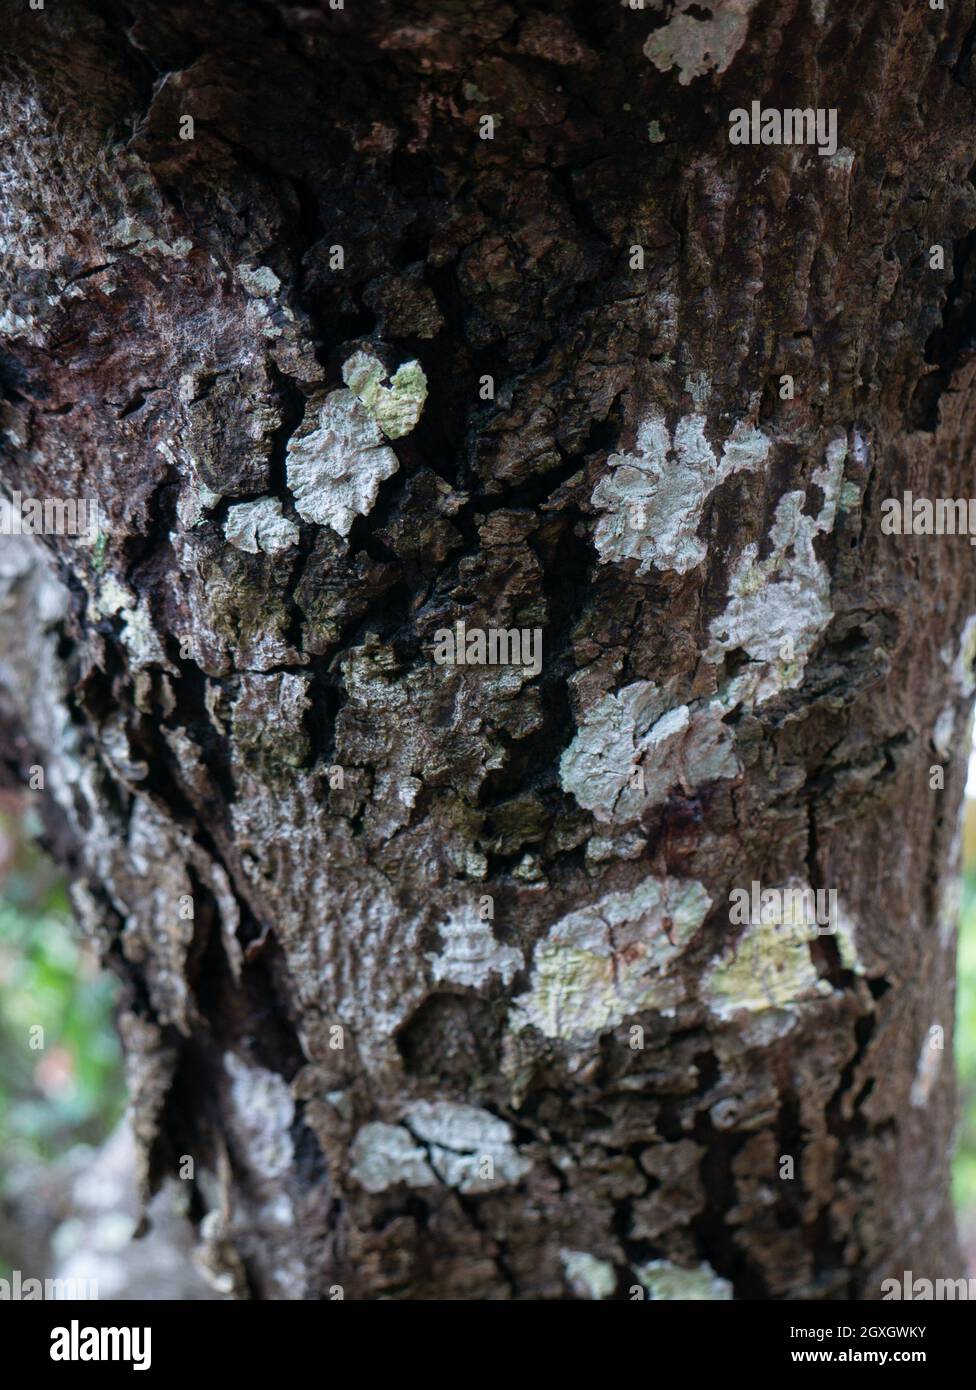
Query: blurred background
[68,1204]
[68,1201]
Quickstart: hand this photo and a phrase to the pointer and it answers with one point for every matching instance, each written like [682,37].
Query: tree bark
[431,983]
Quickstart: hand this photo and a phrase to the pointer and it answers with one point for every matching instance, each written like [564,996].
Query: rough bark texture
[179,338]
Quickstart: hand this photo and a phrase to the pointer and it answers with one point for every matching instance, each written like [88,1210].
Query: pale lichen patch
[943,731]
[702,41]
[698,384]
[383,1155]
[17,326]
[778,607]
[260,525]
[194,500]
[265,1112]
[830,479]
[845,934]
[470,1148]
[396,407]
[588,1276]
[927,1071]
[470,954]
[336,460]
[962,667]
[670,1282]
[138,631]
[949,900]
[604,962]
[768,968]
[652,499]
[135,236]
[633,748]
[259,281]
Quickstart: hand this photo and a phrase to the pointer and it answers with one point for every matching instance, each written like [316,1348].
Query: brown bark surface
[174,319]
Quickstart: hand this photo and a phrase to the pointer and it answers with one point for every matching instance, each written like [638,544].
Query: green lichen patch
[669,1282]
[397,407]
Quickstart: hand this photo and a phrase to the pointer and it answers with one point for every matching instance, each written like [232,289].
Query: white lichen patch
[260,525]
[138,632]
[261,282]
[926,1070]
[396,407]
[944,731]
[698,384]
[16,326]
[670,1282]
[778,607]
[948,902]
[962,667]
[830,481]
[700,42]
[195,499]
[653,499]
[384,1155]
[336,460]
[470,954]
[469,1148]
[135,236]
[850,497]
[264,1113]
[587,1275]
[607,961]
[632,749]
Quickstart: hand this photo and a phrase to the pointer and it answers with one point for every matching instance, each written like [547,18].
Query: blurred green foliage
[964,1173]
[70,1089]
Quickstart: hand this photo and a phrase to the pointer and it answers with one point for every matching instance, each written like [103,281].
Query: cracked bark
[190,702]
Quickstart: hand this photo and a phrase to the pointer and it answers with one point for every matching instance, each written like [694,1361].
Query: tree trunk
[360,323]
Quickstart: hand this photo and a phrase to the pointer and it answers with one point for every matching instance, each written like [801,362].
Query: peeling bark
[431,903]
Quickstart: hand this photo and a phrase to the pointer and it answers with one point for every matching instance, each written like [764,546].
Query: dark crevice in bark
[713,1235]
[962,67]
[453,1041]
[147,552]
[790,1144]
[844,1128]
[192,717]
[269,1026]
[326,696]
[311,1165]
[955,337]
